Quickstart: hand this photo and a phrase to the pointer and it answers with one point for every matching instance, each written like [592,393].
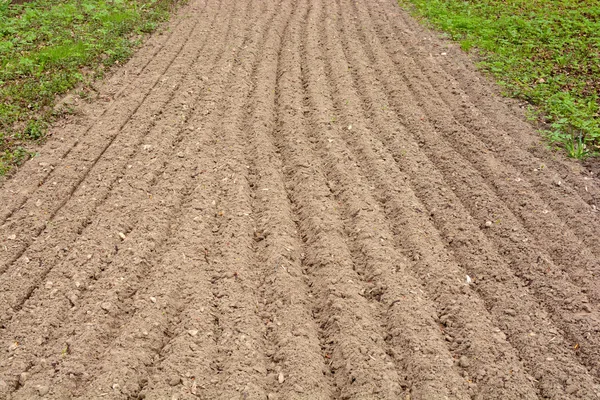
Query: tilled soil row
[301,199]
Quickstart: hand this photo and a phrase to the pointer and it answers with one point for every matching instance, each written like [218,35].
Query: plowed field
[299,199]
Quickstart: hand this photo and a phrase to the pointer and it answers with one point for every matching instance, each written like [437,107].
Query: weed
[544,51]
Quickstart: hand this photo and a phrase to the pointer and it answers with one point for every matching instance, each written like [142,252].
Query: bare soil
[301,199]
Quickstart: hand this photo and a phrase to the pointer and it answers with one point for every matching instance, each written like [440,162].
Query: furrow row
[528,256]
[116,137]
[64,137]
[459,72]
[146,235]
[464,237]
[535,194]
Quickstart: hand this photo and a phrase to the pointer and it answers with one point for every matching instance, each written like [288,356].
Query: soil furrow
[15,193]
[40,210]
[286,199]
[511,185]
[355,356]
[291,338]
[176,331]
[374,245]
[480,257]
[577,213]
[518,244]
[353,126]
[161,140]
[242,359]
[484,97]
[94,268]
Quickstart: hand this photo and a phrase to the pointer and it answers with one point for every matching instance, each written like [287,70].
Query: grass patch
[47,47]
[544,51]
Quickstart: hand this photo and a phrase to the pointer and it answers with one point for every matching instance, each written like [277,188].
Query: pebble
[488,224]
[12,237]
[106,306]
[42,390]
[587,308]
[193,332]
[13,346]
[511,312]
[23,378]
[572,389]
[281,378]
[464,362]
[153,299]
[174,380]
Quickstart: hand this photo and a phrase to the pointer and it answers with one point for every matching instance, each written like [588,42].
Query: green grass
[544,51]
[48,47]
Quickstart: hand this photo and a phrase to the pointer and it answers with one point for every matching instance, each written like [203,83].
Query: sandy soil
[302,199]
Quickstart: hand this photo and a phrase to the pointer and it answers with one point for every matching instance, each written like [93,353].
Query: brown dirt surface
[299,199]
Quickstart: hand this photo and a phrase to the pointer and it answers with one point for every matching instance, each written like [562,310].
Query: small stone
[12,237]
[23,378]
[42,390]
[106,306]
[122,235]
[13,346]
[488,224]
[511,312]
[464,362]
[271,396]
[572,389]
[281,378]
[153,299]
[116,386]
[587,308]
[48,285]
[193,332]
[73,299]
[174,380]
